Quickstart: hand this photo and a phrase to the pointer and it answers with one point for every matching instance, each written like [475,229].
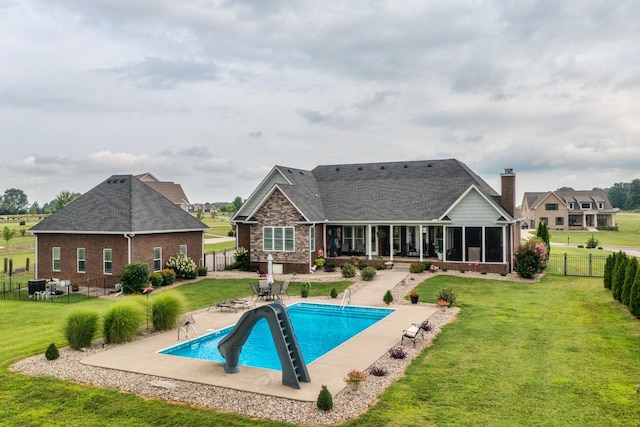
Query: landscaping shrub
[634,297]
[319,262]
[368,274]
[416,267]
[329,268]
[387,298]
[378,371]
[156,279]
[381,266]
[334,293]
[592,243]
[619,271]
[52,352]
[629,278]
[427,265]
[184,266]
[80,328]
[168,277]
[325,401]
[348,270]
[121,323]
[531,258]
[397,353]
[542,233]
[608,270]
[165,310]
[447,295]
[242,262]
[135,277]
[202,271]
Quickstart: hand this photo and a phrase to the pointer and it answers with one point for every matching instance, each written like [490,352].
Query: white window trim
[312,238]
[159,249]
[284,233]
[104,261]
[83,259]
[54,258]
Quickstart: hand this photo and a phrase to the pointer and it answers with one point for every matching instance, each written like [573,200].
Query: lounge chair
[415,331]
[229,304]
[244,303]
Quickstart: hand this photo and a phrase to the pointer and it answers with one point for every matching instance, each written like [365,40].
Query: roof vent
[359,168]
[405,166]
[428,165]
[289,170]
[301,173]
[122,180]
[382,167]
[337,169]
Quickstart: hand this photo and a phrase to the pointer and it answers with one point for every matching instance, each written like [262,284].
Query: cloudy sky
[212,94]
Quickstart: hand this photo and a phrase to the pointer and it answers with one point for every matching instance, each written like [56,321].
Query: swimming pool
[319,329]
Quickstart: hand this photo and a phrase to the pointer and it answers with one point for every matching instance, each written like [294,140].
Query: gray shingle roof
[120,204]
[390,191]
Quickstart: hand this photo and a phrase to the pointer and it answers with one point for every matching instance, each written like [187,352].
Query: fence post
[565,263]
[590,265]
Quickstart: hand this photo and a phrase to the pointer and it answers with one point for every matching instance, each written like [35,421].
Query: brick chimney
[508,191]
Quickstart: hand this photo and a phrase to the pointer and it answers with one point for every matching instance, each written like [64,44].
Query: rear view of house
[122,220]
[437,209]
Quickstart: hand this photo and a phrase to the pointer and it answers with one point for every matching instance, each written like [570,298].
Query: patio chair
[285,288]
[276,292]
[224,304]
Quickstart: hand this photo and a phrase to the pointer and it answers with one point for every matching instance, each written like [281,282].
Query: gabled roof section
[534,199]
[120,204]
[395,191]
[298,185]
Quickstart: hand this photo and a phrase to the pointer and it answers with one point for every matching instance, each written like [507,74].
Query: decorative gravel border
[345,404]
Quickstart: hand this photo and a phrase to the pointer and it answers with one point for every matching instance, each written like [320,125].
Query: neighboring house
[568,210]
[122,220]
[413,210]
[170,190]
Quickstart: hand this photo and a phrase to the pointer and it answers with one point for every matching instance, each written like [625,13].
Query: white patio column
[420,242]
[391,242]
[367,240]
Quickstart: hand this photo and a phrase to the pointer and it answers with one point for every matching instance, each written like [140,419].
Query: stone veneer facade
[277,211]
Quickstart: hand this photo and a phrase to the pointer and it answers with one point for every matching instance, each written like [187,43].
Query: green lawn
[559,352]
[555,353]
[628,233]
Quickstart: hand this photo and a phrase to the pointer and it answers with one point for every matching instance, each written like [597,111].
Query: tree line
[625,195]
[15,202]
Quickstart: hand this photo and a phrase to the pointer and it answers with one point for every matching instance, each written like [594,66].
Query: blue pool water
[319,329]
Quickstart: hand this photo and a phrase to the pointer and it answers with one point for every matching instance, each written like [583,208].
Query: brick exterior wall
[277,211]
[141,249]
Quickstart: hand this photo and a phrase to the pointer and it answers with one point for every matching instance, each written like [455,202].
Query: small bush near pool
[348,270]
[416,267]
[121,323]
[80,328]
[368,274]
[165,310]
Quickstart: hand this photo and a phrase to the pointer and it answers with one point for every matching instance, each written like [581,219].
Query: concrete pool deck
[357,353]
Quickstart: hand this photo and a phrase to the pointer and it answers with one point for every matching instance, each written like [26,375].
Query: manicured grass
[559,352]
[220,247]
[554,353]
[628,233]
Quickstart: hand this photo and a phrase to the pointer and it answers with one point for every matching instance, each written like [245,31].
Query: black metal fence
[18,289]
[585,265]
[218,261]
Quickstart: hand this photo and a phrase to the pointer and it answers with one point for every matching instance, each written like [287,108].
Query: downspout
[129,236]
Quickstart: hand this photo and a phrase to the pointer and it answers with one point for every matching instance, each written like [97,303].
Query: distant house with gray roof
[168,189]
[121,220]
[568,210]
[404,211]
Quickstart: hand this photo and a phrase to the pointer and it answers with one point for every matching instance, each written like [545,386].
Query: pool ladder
[346,298]
[185,329]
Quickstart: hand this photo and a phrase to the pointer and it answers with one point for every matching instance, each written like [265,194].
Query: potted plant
[445,298]
[389,264]
[414,297]
[354,380]
[319,262]
[304,289]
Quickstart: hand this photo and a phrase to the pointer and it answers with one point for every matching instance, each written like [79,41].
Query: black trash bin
[37,285]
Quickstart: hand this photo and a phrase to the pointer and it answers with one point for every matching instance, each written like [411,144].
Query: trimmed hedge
[80,328]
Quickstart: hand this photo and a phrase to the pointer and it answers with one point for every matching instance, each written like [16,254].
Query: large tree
[237,203]
[618,194]
[633,195]
[14,201]
[63,198]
